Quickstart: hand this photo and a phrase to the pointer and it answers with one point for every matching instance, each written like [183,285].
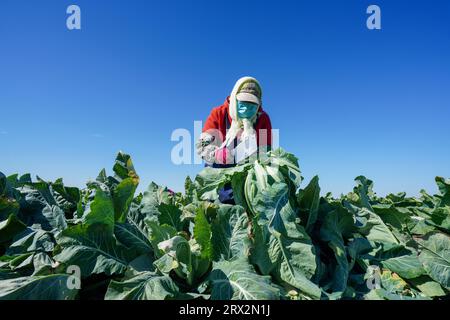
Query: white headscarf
[236,123]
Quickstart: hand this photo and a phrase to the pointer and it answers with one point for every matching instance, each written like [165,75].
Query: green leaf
[144,286]
[3,183]
[441,217]
[427,286]
[31,240]
[237,280]
[238,186]
[259,250]
[159,233]
[170,215]
[406,266]
[364,190]
[287,164]
[93,249]
[190,192]
[178,257]
[134,233]
[184,258]
[55,217]
[92,245]
[123,166]
[375,229]
[420,226]
[396,217]
[7,207]
[210,180]
[142,263]
[43,264]
[396,288]
[101,212]
[8,274]
[338,224]
[132,237]
[308,201]
[444,188]
[153,197]
[289,249]
[202,234]
[66,197]
[435,258]
[123,196]
[229,233]
[10,227]
[51,287]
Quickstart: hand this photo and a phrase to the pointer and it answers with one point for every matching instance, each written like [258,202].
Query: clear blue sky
[347,100]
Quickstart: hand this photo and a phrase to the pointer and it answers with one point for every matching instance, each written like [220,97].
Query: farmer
[240,118]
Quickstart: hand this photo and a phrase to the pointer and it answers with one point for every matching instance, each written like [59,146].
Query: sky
[347,100]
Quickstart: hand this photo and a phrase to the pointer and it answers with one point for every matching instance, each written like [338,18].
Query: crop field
[283,239]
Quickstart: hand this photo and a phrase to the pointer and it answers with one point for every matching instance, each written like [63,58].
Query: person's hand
[224,156]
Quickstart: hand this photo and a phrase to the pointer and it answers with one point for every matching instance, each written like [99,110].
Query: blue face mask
[246,110]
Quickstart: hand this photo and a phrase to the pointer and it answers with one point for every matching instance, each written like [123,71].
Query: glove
[224,156]
[226,195]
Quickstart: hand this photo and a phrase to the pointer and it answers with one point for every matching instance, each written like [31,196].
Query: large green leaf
[46,203]
[444,188]
[364,190]
[229,233]
[396,217]
[289,248]
[374,228]
[159,233]
[202,234]
[427,286]
[308,201]
[123,196]
[92,245]
[51,287]
[144,286]
[55,216]
[8,206]
[435,258]
[184,258]
[287,163]
[10,227]
[170,215]
[338,224]
[134,232]
[31,240]
[153,197]
[210,180]
[101,212]
[406,266]
[93,249]
[178,257]
[441,218]
[237,280]
[123,167]
[3,183]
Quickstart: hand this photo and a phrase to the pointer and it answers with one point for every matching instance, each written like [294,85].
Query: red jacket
[217,121]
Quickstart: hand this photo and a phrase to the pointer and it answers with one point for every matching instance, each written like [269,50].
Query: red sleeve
[214,125]
[264,130]
[213,120]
